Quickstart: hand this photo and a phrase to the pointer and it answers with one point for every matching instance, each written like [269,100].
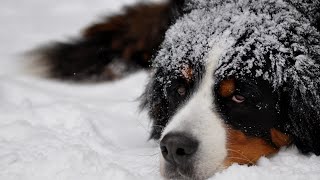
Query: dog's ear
[177,9]
[158,109]
[302,106]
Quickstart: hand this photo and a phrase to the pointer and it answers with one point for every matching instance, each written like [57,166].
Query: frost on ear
[303,89]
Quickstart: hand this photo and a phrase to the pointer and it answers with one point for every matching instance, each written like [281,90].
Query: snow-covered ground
[55,130]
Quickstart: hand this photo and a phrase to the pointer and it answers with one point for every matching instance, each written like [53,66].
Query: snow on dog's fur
[232,80]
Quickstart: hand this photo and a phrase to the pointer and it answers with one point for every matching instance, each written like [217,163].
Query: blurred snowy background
[55,130]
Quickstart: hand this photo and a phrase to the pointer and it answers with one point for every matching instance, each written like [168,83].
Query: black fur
[303,120]
[258,114]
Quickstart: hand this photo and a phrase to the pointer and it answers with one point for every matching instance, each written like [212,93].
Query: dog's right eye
[178,91]
[181,91]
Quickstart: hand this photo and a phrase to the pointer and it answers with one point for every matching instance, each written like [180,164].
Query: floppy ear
[303,106]
[158,109]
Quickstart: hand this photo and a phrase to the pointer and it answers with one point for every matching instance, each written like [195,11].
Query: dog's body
[232,81]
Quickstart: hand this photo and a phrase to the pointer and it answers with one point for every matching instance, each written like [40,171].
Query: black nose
[178,148]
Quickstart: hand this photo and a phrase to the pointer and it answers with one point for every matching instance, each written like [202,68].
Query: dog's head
[234,81]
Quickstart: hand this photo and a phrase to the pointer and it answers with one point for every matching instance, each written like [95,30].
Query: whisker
[241,153]
[239,158]
[148,154]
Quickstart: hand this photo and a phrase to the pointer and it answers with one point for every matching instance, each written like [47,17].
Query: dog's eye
[238,98]
[181,91]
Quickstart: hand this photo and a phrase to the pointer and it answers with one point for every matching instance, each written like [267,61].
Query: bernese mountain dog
[230,80]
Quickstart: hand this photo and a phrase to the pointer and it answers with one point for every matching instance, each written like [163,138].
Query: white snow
[56,130]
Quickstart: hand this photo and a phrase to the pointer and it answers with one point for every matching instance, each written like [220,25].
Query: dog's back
[109,50]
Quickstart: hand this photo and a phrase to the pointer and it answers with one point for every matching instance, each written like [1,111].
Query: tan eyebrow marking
[187,72]
[227,87]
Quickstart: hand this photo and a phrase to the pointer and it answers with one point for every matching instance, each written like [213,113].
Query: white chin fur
[199,119]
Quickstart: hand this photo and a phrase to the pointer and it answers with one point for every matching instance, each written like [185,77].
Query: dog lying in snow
[231,81]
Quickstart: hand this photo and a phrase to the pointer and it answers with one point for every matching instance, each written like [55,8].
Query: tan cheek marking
[227,87]
[187,73]
[243,149]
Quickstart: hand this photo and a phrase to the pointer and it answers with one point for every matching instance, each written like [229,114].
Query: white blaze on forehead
[199,119]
